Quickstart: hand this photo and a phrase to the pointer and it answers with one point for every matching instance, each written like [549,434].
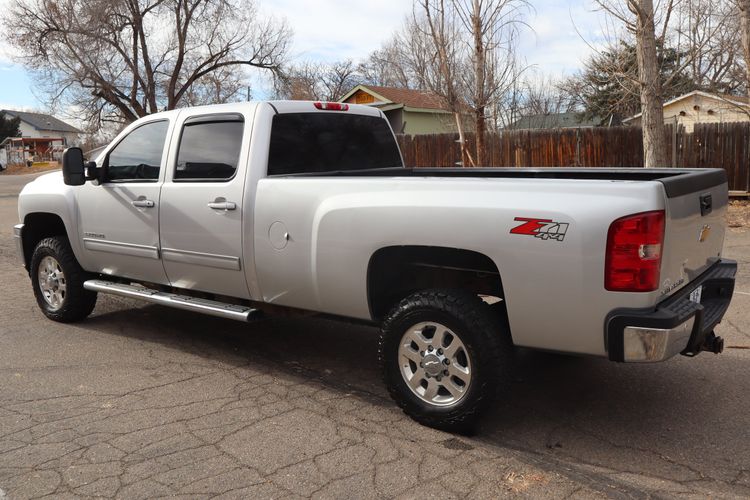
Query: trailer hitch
[713,344]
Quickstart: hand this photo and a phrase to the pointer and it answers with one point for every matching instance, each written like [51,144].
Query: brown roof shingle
[409,97]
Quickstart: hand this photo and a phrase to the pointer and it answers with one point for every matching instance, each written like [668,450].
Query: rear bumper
[677,325]
[18,239]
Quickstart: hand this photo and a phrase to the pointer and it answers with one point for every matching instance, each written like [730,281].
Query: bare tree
[542,95]
[703,41]
[706,34]
[222,85]
[298,82]
[339,78]
[318,81]
[744,9]
[395,64]
[638,18]
[122,59]
[468,48]
[509,106]
[435,31]
[655,145]
[492,26]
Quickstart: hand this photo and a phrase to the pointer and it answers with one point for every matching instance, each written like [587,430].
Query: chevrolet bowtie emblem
[705,232]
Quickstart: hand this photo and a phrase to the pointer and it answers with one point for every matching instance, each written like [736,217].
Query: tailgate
[695,225]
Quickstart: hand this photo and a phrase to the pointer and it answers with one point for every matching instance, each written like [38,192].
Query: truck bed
[677,182]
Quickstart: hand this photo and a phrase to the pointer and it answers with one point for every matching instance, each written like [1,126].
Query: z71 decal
[545,229]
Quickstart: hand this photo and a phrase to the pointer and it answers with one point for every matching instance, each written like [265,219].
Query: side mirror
[74,173]
[93,173]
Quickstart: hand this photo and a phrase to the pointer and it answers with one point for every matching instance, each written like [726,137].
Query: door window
[209,149]
[138,156]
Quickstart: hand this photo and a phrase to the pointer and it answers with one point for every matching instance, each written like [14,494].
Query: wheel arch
[37,226]
[396,272]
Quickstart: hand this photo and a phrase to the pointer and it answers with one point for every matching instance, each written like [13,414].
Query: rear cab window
[310,143]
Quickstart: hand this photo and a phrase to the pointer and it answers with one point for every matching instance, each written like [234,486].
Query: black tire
[78,302]
[483,332]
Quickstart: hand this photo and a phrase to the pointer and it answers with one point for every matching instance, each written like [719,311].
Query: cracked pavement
[141,401]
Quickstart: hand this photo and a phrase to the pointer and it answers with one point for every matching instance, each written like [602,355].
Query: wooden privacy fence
[717,145]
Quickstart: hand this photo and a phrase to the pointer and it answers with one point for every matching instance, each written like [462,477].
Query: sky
[330,30]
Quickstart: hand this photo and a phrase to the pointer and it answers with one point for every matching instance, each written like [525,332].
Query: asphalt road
[142,401]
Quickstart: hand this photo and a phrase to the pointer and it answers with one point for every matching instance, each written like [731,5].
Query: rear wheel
[58,279]
[444,355]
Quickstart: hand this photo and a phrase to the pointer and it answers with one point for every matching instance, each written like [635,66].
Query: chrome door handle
[143,203]
[222,205]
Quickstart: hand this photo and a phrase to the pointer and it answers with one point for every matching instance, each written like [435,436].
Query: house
[556,121]
[43,138]
[412,112]
[702,107]
[43,126]
[26,150]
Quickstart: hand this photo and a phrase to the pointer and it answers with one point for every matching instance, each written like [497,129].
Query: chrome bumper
[18,238]
[677,325]
[649,345]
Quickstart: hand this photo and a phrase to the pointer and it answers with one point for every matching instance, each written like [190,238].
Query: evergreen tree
[9,127]
[608,85]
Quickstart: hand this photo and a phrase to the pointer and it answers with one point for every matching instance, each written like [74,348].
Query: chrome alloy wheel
[52,282]
[435,364]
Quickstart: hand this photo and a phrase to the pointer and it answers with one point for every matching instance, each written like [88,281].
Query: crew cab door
[118,220]
[202,204]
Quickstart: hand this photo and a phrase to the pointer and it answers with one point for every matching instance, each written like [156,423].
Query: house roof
[41,121]
[411,98]
[554,120]
[736,100]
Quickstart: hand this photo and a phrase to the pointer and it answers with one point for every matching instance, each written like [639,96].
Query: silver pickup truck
[244,209]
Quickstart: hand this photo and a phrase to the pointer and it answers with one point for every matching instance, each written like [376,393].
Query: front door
[119,219]
[202,205]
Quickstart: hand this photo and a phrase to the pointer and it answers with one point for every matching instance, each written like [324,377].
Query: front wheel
[444,354]
[58,279]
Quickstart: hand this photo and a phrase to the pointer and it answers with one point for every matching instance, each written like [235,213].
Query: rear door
[202,204]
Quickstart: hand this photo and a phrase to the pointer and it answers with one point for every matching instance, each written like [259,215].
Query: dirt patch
[738,214]
[36,167]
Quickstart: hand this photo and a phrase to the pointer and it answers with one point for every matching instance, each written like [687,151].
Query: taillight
[331,106]
[634,247]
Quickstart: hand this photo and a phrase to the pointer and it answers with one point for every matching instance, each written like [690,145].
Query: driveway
[141,401]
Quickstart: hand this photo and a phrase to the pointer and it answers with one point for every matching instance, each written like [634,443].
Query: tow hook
[713,344]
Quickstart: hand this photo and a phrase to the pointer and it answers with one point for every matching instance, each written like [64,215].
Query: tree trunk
[479,77]
[655,148]
[745,24]
[481,129]
[465,154]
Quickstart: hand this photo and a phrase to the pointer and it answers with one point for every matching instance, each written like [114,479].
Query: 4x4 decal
[546,229]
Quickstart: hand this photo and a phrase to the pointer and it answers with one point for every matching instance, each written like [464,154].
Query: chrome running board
[185,302]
